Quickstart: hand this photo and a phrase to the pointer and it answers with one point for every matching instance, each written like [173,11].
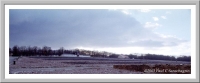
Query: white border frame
[103,76]
[95,2]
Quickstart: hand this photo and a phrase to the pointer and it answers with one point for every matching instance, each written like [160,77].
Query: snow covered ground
[76,65]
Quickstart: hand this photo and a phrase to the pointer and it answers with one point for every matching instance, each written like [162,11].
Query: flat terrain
[79,65]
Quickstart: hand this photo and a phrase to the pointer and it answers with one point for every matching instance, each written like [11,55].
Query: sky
[125,31]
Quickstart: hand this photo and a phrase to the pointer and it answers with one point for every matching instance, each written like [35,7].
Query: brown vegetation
[158,68]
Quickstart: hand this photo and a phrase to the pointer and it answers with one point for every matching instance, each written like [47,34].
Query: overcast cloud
[85,28]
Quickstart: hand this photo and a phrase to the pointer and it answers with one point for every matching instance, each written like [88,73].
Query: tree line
[161,57]
[47,51]
[33,51]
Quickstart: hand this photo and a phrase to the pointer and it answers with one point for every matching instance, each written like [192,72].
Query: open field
[88,65]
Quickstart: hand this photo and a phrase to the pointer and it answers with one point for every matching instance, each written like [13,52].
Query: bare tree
[60,51]
[16,51]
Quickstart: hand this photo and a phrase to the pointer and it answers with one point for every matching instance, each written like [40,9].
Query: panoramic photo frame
[95,76]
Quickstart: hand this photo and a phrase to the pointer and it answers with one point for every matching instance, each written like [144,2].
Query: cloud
[69,28]
[126,12]
[168,12]
[145,10]
[100,29]
[151,25]
[180,49]
[155,18]
[148,43]
[163,17]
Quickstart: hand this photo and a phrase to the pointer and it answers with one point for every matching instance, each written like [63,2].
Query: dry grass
[158,68]
[26,65]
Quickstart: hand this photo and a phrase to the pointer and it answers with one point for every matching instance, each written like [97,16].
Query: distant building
[123,57]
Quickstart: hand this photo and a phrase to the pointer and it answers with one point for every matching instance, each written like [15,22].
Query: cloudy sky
[158,31]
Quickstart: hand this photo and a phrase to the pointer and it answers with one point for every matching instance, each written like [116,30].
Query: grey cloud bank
[86,28]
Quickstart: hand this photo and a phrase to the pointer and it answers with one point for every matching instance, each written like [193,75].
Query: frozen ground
[77,65]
